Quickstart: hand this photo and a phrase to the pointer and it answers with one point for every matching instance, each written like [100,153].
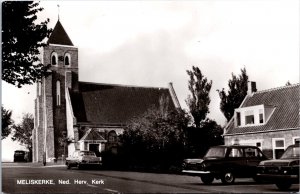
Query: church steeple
[59,36]
[52,91]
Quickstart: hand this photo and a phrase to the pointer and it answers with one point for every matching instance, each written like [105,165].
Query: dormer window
[54,58]
[252,115]
[261,116]
[67,59]
[249,117]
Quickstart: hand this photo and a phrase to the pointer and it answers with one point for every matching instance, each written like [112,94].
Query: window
[238,119]
[261,116]
[296,140]
[278,147]
[216,152]
[39,85]
[258,144]
[58,96]
[249,119]
[235,152]
[112,137]
[54,58]
[252,152]
[67,59]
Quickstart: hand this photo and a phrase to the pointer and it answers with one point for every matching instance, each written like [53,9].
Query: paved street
[34,178]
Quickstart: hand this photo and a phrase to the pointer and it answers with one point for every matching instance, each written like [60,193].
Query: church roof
[109,104]
[59,36]
[285,100]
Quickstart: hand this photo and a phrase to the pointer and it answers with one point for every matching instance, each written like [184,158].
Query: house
[75,115]
[268,119]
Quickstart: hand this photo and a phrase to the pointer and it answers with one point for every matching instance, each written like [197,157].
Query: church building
[75,115]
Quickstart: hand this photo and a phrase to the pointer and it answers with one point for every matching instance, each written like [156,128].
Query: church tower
[50,129]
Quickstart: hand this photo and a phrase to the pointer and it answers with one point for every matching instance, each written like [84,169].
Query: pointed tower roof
[59,36]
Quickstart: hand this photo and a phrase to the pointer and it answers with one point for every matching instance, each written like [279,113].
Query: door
[253,156]
[94,148]
[236,161]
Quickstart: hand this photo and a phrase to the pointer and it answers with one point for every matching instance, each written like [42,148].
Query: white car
[83,158]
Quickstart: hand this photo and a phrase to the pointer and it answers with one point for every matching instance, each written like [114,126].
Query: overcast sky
[152,43]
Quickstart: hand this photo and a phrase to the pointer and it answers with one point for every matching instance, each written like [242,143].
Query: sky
[152,43]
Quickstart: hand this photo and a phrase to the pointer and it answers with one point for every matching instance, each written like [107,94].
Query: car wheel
[283,185]
[228,178]
[207,179]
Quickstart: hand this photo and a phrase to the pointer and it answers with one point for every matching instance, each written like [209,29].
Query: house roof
[109,104]
[285,100]
[59,36]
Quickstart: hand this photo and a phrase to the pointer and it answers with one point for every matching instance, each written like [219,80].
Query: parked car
[80,159]
[21,156]
[284,171]
[225,163]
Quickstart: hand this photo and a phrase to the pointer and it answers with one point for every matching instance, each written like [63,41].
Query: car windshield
[291,152]
[216,152]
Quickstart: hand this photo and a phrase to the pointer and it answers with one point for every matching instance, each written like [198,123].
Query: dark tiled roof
[114,104]
[285,116]
[59,36]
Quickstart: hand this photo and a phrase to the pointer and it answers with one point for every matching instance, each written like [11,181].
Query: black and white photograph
[158,96]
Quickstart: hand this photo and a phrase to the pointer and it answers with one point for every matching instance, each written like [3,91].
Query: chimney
[173,95]
[251,87]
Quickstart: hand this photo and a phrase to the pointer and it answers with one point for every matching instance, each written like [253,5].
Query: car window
[252,152]
[216,152]
[291,152]
[236,152]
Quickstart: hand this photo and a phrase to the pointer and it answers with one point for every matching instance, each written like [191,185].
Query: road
[57,179]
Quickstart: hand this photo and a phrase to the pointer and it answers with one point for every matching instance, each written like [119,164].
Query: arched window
[112,137]
[58,96]
[54,58]
[67,59]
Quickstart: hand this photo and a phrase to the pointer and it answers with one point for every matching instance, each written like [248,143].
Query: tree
[22,132]
[200,139]
[199,99]
[22,37]
[156,138]
[235,95]
[6,122]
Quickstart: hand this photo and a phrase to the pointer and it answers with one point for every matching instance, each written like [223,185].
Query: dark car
[225,163]
[284,171]
[21,156]
[80,159]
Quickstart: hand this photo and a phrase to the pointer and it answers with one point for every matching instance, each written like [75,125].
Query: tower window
[67,59]
[54,58]
[58,96]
